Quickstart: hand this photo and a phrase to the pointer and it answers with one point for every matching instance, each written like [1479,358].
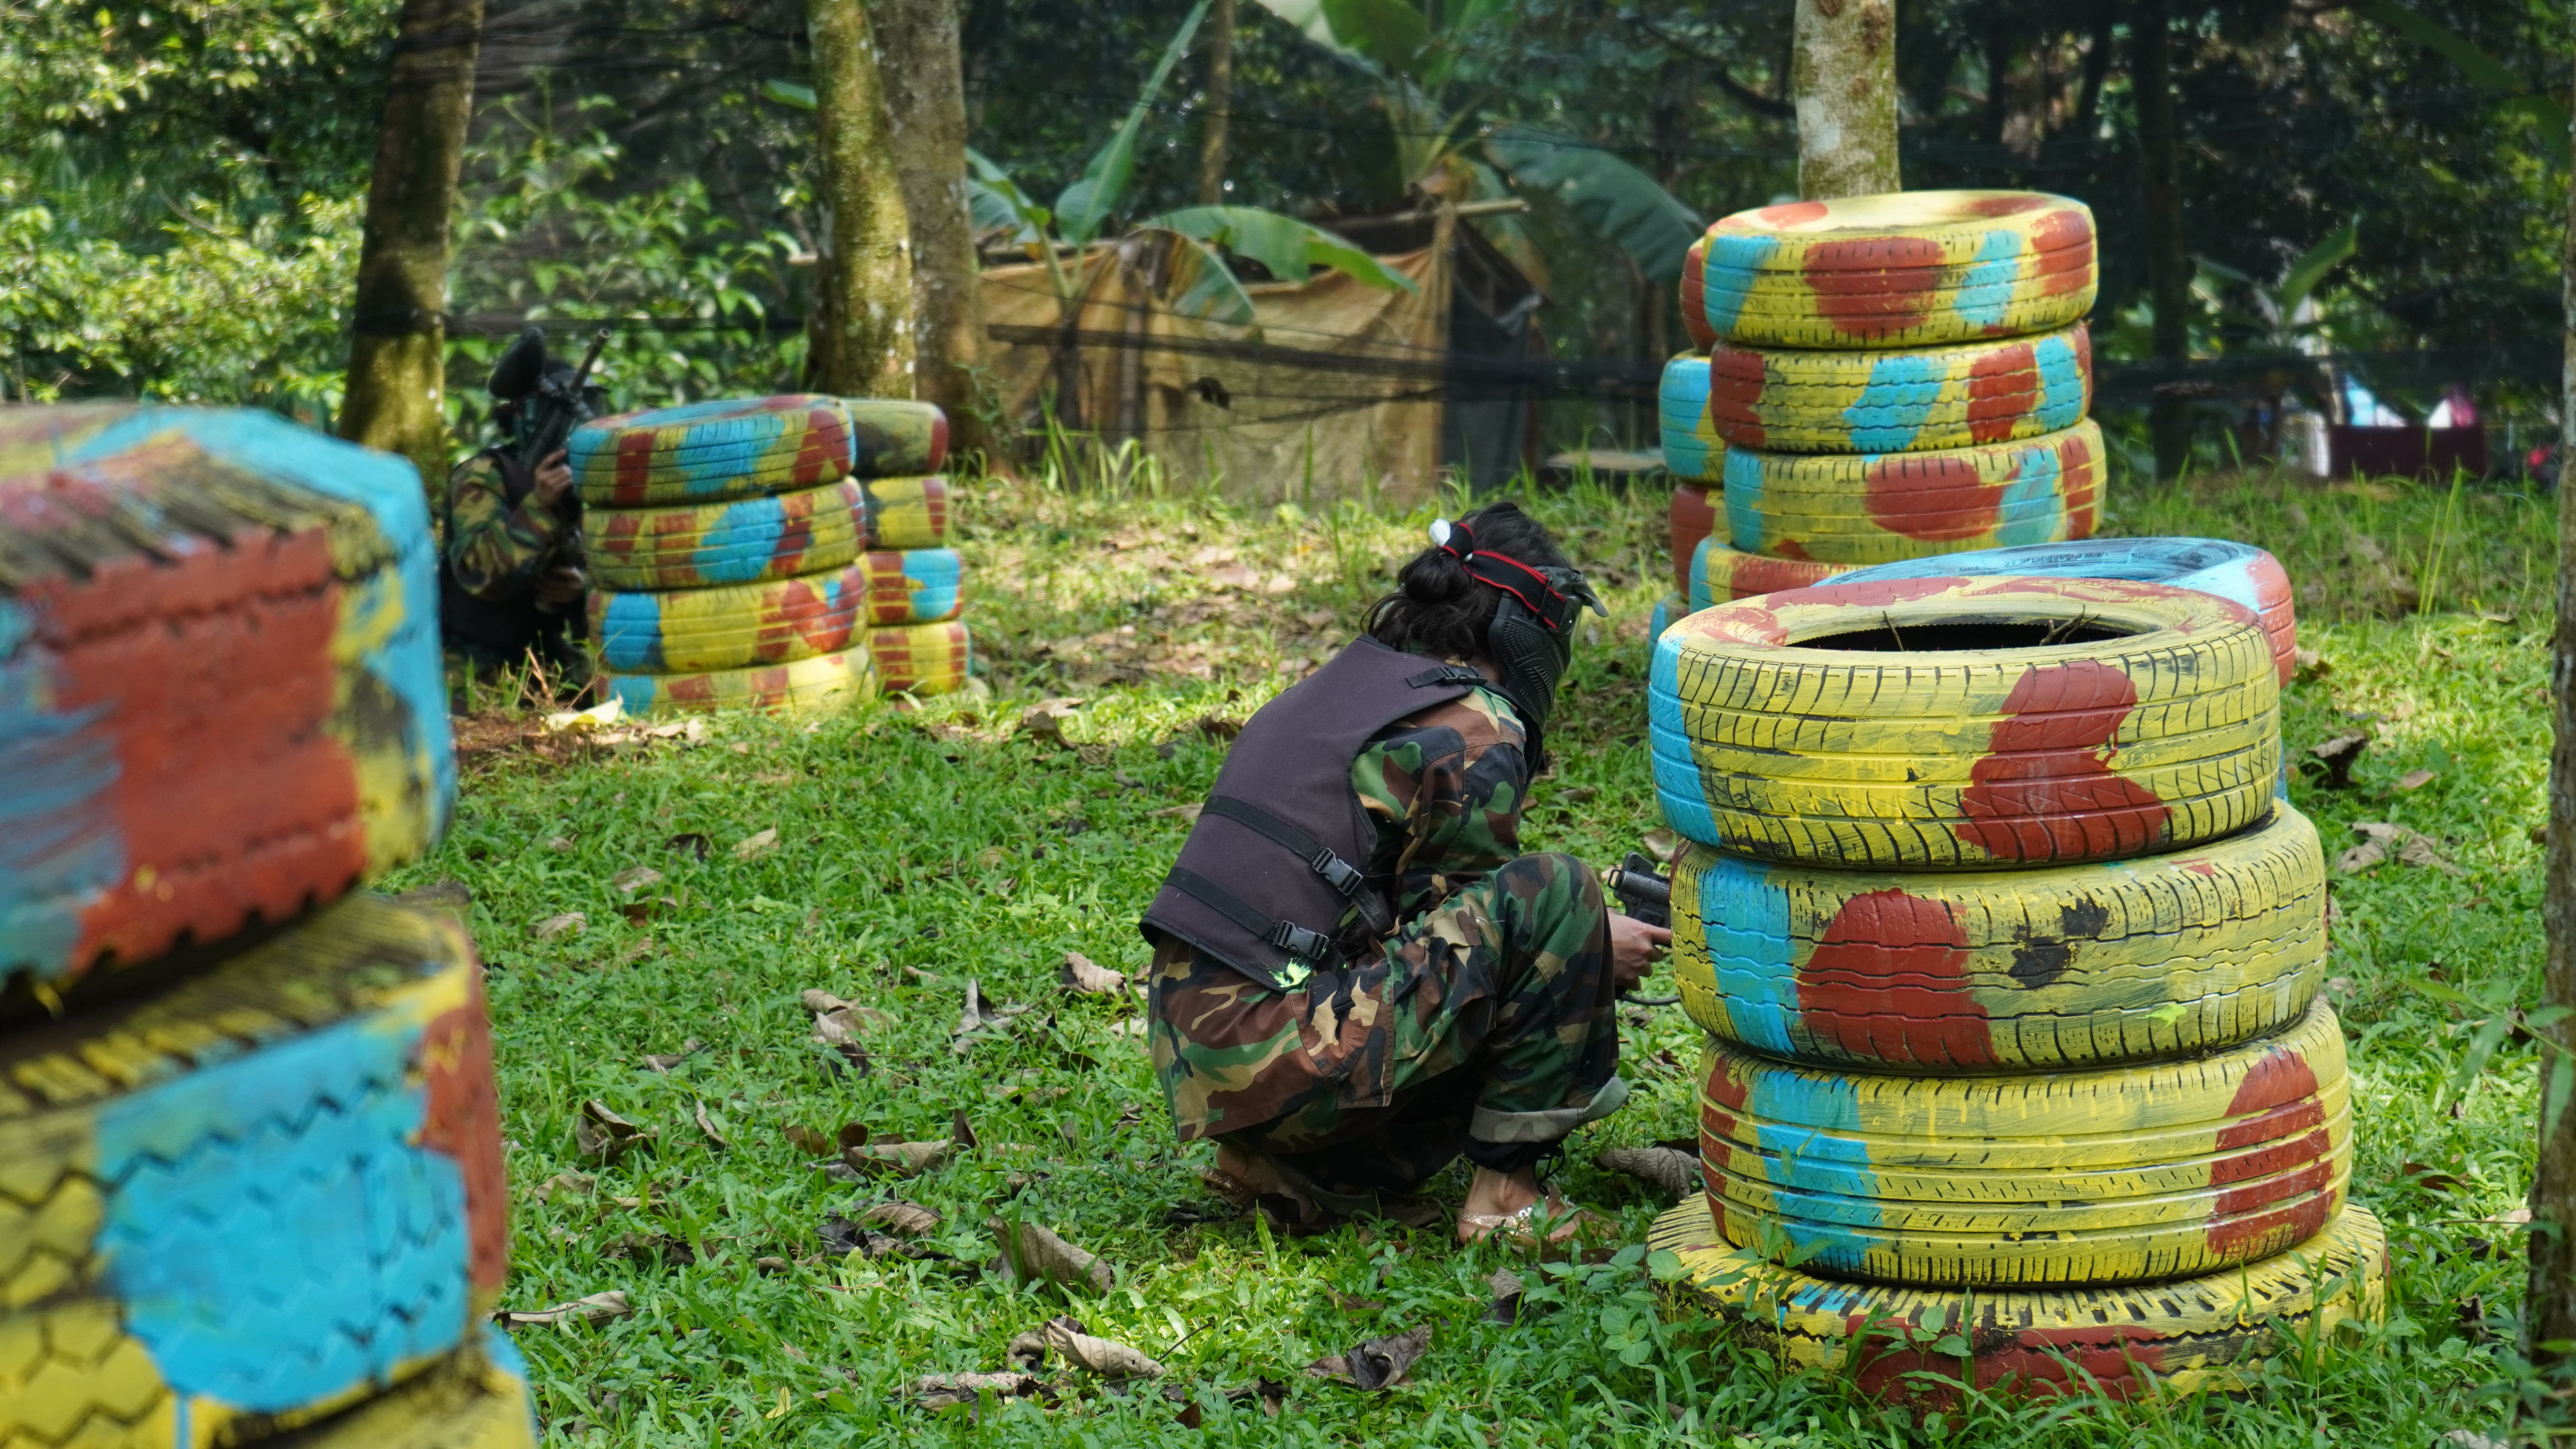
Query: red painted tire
[1864,509]
[1693,517]
[1786,400]
[923,659]
[1722,575]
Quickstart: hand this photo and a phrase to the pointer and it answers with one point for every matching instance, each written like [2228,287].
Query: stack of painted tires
[770,553]
[250,1163]
[2008,954]
[1880,378]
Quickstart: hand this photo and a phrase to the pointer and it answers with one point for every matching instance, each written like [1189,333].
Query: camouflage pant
[1485,1022]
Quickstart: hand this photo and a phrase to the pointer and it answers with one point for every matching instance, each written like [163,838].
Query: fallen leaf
[2309,664]
[690,843]
[1353,1303]
[2380,841]
[598,716]
[901,1159]
[849,1135]
[635,878]
[688,1049]
[570,923]
[1045,719]
[1186,814]
[1091,979]
[1028,1349]
[1105,1357]
[1032,1254]
[2415,779]
[565,1182]
[603,1136]
[1675,1174]
[903,1219]
[948,1391]
[1270,1392]
[1662,844]
[1376,1365]
[961,1131]
[2428,1178]
[754,845]
[596,1309]
[707,1125]
[808,1141]
[2338,755]
[1217,726]
[2403,709]
[1506,1307]
[653,1249]
[771,1265]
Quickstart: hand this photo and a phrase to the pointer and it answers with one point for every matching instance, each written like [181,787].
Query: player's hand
[554,478]
[561,587]
[1635,947]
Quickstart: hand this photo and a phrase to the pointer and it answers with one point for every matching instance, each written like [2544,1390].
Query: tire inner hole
[1977,634]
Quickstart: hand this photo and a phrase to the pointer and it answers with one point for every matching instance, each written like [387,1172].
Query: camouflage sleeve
[1446,787]
[493,547]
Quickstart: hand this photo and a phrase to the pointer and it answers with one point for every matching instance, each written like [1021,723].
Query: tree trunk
[2168,259]
[1842,70]
[925,86]
[398,345]
[864,345]
[1220,102]
[2551,1313]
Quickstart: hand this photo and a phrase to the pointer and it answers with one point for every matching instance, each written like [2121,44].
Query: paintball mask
[1532,637]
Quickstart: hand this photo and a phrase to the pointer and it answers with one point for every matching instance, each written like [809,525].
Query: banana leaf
[1613,199]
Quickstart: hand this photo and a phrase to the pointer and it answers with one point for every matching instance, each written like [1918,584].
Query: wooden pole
[2168,258]
[1220,102]
[864,343]
[1842,72]
[396,389]
[925,82]
[2551,1314]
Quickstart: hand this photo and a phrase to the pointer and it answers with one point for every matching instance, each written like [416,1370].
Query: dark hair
[1437,607]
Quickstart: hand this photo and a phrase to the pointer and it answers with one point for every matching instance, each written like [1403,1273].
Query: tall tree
[863,337]
[398,346]
[1220,103]
[1842,74]
[926,107]
[2550,1315]
[2168,259]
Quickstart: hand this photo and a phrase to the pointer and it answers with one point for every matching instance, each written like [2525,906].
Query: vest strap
[1448,674]
[1288,936]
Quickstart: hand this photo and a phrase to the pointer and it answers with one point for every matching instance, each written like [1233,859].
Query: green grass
[916,850]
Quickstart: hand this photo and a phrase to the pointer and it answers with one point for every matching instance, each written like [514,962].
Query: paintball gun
[552,401]
[1643,896]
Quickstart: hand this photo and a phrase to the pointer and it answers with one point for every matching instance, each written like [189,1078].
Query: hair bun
[1435,577]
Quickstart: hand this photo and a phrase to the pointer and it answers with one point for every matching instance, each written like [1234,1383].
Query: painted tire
[1692,448]
[174,576]
[477,1399]
[2236,571]
[1898,401]
[923,659]
[1667,609]
[1903,269]
[2122,1175]
[820,683]
[1989,753]
[1721,575]
[907,513]
[264,1192]
[2206,1334]
[690,631]
[2037,970]
[1692,517]
[1840,508]
[747,447]
[1694,295]
[749,541]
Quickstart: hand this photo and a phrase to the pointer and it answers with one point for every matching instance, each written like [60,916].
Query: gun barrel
[1638,885]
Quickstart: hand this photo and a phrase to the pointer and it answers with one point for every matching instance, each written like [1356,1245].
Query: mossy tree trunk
[925,84]
[2168,257]
[863,340]
[1842,75]
[1220,102]
[396,390]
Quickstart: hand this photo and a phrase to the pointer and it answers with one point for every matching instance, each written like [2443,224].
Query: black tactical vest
[1281,851]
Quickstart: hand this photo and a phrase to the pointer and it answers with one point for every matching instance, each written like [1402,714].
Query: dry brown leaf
[948,1391]
[1675,1174]
[1028,1350]
[755,845]
[2381,840]
[688,1049]
[2309,664]
[1045,719]
[635,878]
[903,1219]
[707,1126]
[1032,1254]
[1091,979]
[2415,779]
[1186,814]
[598,1308]
[1105,1357]
[690,843]
[565,1182]
[570,923]
[1377,1364]
[1218,727]
[899,1159]
[603,1136]
[961,1131]
[2338,755]
[808,1141]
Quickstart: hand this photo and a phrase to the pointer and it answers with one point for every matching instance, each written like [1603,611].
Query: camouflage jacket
[496,549]
[1446,787]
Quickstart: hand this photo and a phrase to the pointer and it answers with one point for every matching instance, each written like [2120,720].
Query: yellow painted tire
[2117,1175]
[1869,509]
[923,659]
[1915,725]
[2209,1334]
[709,452]
[1692,448]
[260,1194]
[816,684]
[747,541]
[1721,575]
[2035,970]
[1903,269]
[906,513]
[478,1399]
[691,631]
[1899,400]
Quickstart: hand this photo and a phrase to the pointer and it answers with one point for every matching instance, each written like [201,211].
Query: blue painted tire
[266,1191]
[2238,572]
[221,693]
[1692,448]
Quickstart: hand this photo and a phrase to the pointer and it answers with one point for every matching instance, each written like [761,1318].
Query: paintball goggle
[1532,637]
